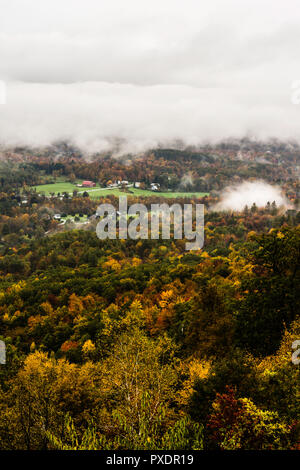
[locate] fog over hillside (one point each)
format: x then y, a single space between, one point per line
235 198
89 72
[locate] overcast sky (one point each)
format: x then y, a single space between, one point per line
148 72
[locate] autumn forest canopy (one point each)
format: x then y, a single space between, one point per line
140 344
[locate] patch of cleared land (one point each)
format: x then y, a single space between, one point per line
59 187
170 194
96 193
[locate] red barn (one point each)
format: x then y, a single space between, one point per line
88 184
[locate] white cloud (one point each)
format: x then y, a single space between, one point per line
248 193
92 114
146 71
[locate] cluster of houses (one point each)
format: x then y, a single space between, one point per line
119 184
126 184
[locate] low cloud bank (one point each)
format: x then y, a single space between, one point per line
95 115
248 193
129 76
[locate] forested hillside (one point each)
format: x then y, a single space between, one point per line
139 344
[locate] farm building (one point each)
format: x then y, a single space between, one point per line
88 184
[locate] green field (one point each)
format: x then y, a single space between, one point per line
62 187
96 193
169 194
59 187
